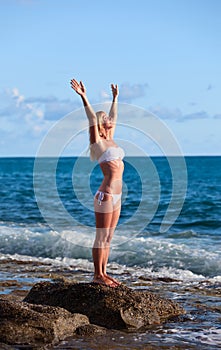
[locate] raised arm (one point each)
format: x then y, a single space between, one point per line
80 89
113 109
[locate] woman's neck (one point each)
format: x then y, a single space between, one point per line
105 136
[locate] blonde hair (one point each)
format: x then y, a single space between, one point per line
100 121
93 146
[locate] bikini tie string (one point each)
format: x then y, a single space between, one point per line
100 197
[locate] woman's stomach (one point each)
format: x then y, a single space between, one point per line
113 172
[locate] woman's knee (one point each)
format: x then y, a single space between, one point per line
110 234
102 237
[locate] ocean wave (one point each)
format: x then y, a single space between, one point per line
137 273
155 253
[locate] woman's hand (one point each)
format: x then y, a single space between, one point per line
115 91
79 88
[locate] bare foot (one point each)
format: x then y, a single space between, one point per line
112 279
105 281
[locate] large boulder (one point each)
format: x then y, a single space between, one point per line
113 308
25 323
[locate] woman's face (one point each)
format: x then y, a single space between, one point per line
107 121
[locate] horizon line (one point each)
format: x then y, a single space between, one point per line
133 156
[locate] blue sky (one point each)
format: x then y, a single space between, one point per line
164 54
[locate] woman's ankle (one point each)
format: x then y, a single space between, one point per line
98 275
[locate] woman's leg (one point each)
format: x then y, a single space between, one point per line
113 224
101 248
114 221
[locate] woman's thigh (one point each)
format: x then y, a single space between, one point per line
115 217
103 213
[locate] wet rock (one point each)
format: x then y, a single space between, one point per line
160 279
90 330
5 347
10 283
113 308
25 323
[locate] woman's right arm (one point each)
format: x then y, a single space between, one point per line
79 88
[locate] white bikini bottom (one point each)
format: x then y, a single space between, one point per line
115 197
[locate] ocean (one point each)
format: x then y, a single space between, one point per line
168 238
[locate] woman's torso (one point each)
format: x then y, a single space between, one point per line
109 156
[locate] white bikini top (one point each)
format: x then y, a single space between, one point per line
111 153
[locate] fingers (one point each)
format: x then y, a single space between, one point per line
114 87
115 91
74 83
82 85
76 86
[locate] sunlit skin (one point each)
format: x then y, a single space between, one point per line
106 214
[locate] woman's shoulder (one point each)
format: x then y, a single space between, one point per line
96 145
95 149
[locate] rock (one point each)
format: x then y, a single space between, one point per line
113 308
134 318
25 323
90 330
5 347
160 279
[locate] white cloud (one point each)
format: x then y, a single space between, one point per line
54 109
196 115
177 115
129 92
105 95
17 115
166 113
16 95
38 109
217 116
24 121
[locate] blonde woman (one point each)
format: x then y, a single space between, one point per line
107 201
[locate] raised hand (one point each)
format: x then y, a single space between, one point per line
79 88
115 91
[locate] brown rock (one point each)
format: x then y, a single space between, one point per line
115 308
5 347
24 323
89 330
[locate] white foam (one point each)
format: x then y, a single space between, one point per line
211 336
151 255
164 252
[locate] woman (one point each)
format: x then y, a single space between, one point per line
107 201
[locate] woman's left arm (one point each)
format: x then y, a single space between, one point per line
113 109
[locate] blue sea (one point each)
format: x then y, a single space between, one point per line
170 224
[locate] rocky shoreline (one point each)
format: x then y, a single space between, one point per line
52 312
198 328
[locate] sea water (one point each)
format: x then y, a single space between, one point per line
169 226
